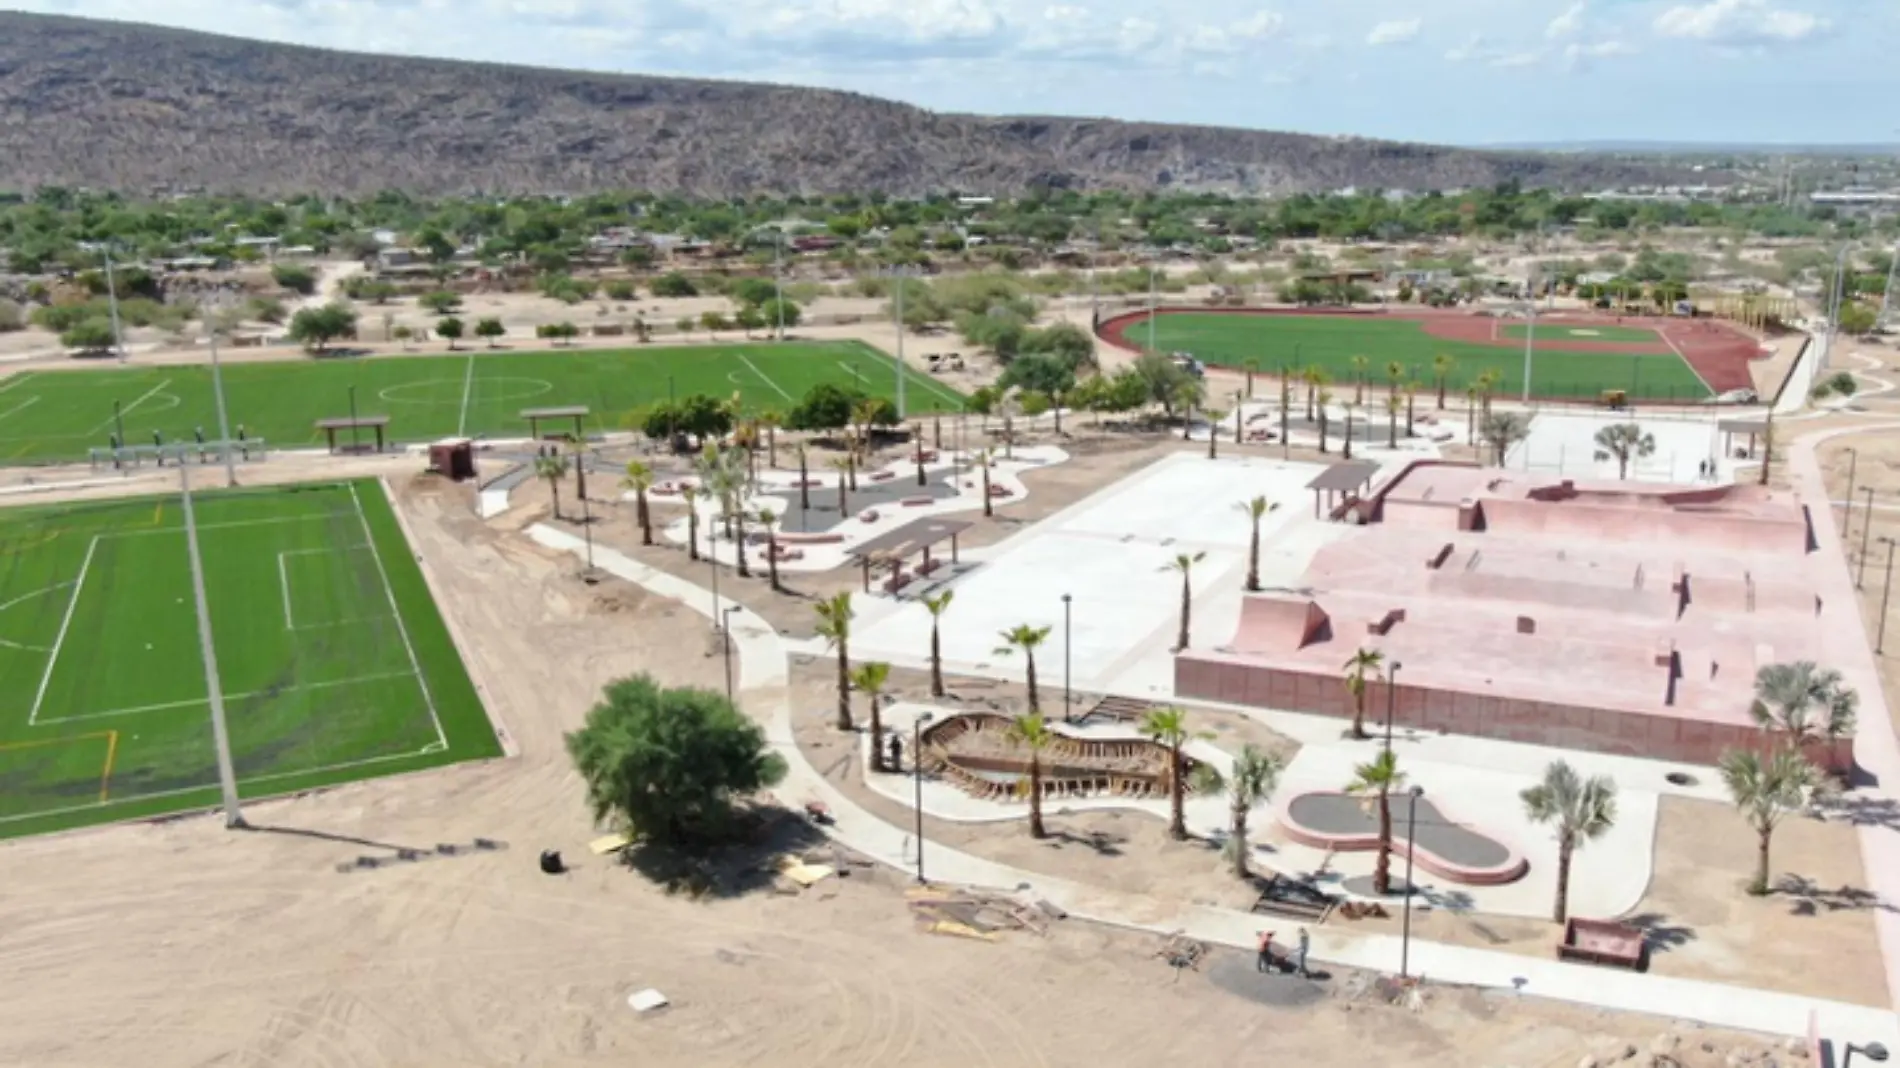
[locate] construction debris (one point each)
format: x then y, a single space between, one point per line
1358 910
970 914
1182 952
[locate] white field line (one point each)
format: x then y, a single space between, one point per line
402 627
14 381
26 648
767 379
23 598
283 582
914 376
227 526
143 397
167 705
468 390
22 406
52 659
1673 347
432 747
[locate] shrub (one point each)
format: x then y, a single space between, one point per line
295 278
674 284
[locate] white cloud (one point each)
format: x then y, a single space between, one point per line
1518 59
1739 22
1566 24
1221 40
1393 32
1475 48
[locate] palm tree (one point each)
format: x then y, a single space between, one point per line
1168 727
1184 563
1026 638
1501 430
936 605
640 479
1581 811
983 462
1471 415
834 626
1346 448
1255 510
553 467
1624 442
1767 447
1804 702
691 495
1360 365
1394 370
804 478
1255 774
1392 421
1033 734
1766 787
1214 416
1441 370
771 419
768 519
840 465
1379 777
1487 382
1325 398
723 474
1411 405
1314 378
871 678
1361 666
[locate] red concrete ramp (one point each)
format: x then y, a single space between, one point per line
1278 623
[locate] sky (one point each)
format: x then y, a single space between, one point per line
1468 72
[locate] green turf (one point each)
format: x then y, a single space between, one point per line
1273 342
1622 335
60 414
334 663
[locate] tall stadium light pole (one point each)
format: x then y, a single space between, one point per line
1835 299
897 307
1530 333
112 306
220 737
1153 305
1887 295
217 390
778 278
1886 591
1866 528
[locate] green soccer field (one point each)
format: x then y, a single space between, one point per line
60 414
1621 335
332 658
1273 342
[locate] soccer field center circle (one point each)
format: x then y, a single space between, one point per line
456 390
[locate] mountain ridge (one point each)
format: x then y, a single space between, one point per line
153 109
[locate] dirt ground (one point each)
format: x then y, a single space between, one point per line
252 948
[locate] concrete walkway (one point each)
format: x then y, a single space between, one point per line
763 677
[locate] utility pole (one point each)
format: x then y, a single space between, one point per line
1530 332
778 281
217 389
900 275
214 690
112 305
1153 305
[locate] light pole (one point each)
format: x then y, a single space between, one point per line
217 391
1067 604
1872 1051
1153 305
1391 695
214 689
1866 527
897 306
725 644
112 305
712 563
1847 516
1530 332
917 780
355 444
1886 591
1411 821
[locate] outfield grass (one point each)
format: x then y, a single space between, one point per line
1271 343
1622 335
333 660
60 414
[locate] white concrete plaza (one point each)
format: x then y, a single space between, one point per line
1110 553
1564 443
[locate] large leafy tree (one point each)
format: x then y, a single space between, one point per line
1766 787
1579 810
667 765
315 328
1378 778
1624 442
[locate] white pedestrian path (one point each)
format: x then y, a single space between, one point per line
763 676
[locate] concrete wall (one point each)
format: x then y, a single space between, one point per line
1213 677
1577 519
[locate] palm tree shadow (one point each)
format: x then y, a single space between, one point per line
1659 935
1101 843
326 836
1860 810
1811 899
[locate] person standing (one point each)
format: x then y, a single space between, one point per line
1305 943
1264 961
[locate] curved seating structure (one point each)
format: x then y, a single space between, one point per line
1330 819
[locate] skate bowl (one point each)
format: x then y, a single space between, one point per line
976 752
1331 820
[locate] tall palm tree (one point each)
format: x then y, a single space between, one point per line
1033 734
1214 416
1314 378
841 465
1768 438
1362 666
1168 727
936 605
1441 371
1580 810
983 461
1184 563
1394 370
1804 702
834 626
1325 398
723 472
1411 406
640 479
1360 365
1379 777
768 518
1255 774
1392 421
553 467
691 495
804 478
871 678
1624 442
1255 510
1766 787
1346 447
1026 638
1471 415
770 420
